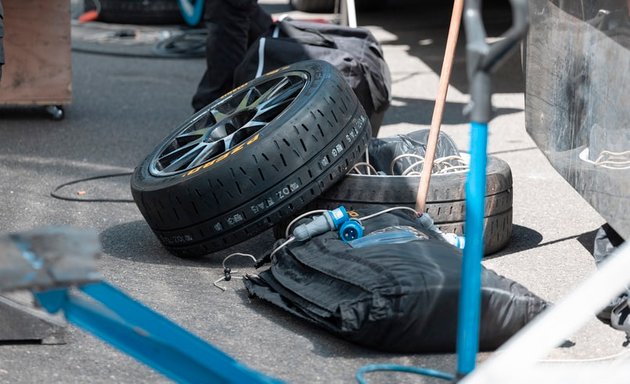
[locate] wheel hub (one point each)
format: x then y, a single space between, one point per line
223 125
229 125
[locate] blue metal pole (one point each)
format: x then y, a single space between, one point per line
482 59
470 290
148 336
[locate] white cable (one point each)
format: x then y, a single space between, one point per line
441 165
238 254
393 163
288 230
216 282
364 164
449 158
452 169
450 164
362 219
292 239
411 167
289 241
367 160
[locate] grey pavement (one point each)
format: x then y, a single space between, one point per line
124 106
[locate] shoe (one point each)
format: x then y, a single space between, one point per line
620 316
605 314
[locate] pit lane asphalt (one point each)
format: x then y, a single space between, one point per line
123 107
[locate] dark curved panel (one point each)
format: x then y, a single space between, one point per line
578 98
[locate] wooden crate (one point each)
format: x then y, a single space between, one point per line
37 68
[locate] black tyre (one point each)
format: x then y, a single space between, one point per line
445 202
150 12
251 158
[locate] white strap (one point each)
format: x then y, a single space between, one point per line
261 57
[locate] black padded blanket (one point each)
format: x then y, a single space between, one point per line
398 296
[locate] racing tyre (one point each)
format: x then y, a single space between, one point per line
251 158
445 201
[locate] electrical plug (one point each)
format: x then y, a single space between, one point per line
328 221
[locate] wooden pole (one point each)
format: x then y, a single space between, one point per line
440 101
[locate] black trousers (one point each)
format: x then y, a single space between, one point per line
233 25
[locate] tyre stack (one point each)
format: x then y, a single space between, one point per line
278 146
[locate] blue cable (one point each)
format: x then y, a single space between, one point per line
401 368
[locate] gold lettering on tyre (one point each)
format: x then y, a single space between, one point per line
223 156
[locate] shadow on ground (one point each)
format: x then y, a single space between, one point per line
422 26
134 241
419 111
524 238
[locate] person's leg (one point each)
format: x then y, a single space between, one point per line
606 241
260 23
232 26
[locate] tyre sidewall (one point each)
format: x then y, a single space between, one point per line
144 181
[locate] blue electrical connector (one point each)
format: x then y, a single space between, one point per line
350 230
337 219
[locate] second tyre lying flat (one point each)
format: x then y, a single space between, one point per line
445 201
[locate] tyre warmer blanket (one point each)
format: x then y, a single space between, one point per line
396 297
353 51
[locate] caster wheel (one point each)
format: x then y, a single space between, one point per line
56 112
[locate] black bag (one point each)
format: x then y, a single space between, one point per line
384 151
396 296
353 51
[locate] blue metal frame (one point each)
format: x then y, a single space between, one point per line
147 336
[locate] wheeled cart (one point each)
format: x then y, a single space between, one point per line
37 55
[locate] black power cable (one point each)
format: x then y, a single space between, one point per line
189 43
98 200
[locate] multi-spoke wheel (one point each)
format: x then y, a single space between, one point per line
222 127
251 158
